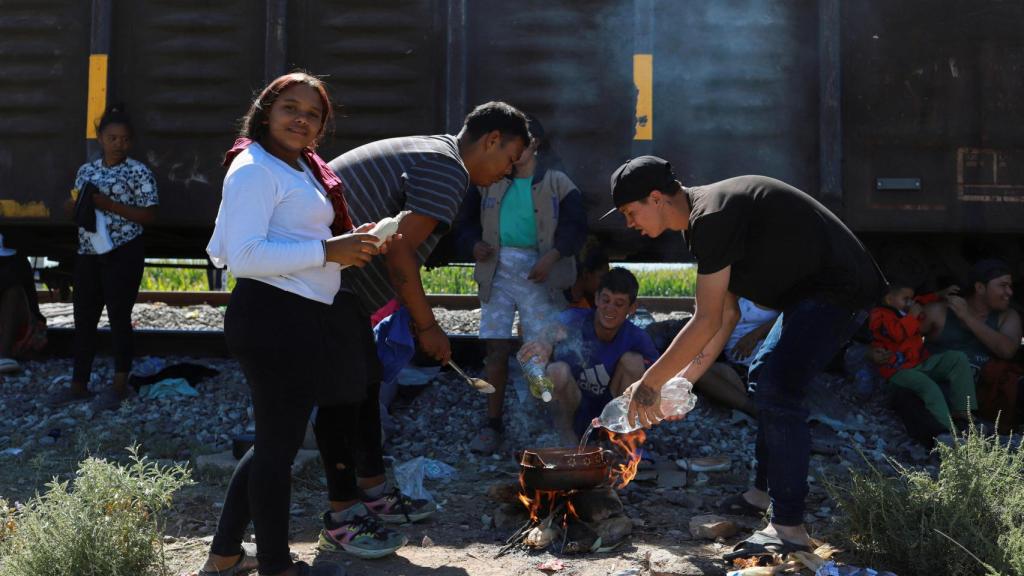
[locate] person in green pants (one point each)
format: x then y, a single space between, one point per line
896 327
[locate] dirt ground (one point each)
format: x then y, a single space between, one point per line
436 422
456 541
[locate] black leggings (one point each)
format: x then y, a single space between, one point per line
350 444
110 279
282 343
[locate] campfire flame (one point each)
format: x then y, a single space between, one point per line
537 501
630 444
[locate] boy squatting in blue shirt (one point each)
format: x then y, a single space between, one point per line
594 354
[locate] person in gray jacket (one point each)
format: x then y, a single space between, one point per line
525 232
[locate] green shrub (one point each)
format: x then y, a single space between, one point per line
905 522
449 280
6 523
459 280
161 279
109 524
669 283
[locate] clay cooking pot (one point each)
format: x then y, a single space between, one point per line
563 468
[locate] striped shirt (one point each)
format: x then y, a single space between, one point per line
423 174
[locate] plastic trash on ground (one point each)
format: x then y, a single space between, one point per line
410 475
169 388
148 366
830 568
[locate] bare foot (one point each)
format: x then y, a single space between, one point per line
757 498
795 534
215 563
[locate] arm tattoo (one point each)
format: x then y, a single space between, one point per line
699 359
645 396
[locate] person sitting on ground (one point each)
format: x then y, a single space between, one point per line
22 325
981 323
594 354
591 266
726 380
896 328
525 231
984 326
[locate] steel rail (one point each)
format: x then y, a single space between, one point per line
447 301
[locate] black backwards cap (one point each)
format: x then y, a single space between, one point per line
986 271
635 179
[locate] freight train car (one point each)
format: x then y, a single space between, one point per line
905 118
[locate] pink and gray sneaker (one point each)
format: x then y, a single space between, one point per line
397 508
362 535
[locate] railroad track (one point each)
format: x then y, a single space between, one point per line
466 348
210 343
449 301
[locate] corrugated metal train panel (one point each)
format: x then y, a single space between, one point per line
931 90
44 48
384 62
570 64
736 89
186 69
927 83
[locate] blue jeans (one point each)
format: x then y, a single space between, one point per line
801 342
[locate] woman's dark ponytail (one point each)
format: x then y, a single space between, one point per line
115 114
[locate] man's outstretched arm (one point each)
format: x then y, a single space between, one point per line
686 347
404 273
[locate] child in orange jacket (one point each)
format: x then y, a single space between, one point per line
896 327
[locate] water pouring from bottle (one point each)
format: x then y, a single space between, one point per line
677 399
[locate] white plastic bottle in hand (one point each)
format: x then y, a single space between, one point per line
677 399
385 228
540 385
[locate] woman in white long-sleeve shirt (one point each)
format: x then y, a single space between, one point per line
300 337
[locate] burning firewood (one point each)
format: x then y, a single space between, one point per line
576 489
542 535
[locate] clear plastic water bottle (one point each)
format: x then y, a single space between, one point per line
677 399
540 385
642 318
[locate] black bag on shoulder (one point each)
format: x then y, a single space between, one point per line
85 209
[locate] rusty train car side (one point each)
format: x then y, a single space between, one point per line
904 118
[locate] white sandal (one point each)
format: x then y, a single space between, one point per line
8 365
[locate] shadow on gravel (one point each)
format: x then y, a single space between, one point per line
391 566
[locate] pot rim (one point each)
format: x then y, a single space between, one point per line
564 459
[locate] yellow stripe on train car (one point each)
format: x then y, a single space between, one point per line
97 93
16 209
643 78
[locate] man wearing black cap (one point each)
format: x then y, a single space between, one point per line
762 239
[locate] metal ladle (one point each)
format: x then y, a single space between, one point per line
481 385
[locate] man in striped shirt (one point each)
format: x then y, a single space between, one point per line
428 176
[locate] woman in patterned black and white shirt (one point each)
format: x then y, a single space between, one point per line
128 199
